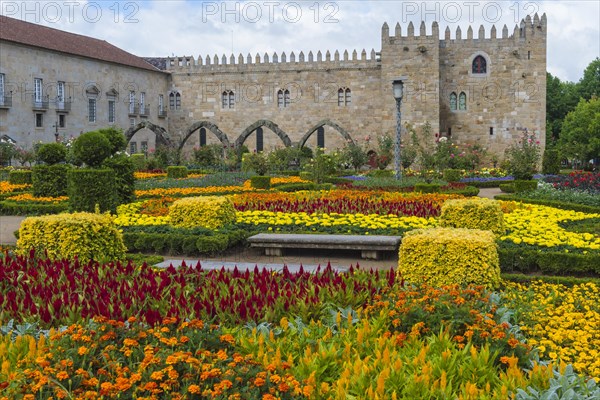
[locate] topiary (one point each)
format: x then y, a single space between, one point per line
51 153
92 148
123 167
115 137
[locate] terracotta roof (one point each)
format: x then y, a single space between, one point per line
26 33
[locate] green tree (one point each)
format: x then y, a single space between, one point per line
589 85
561 97
580 135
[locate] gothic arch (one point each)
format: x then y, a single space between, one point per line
208 125
162 137
269 124
324 122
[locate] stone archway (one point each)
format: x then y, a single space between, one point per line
325 122
162 137
266 123
208 125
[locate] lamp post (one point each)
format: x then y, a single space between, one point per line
55 126
398 86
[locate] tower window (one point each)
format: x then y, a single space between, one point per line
462 101
491 130
344 97
283 98
452 101
228 99
479 65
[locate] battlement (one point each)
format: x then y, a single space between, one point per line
528 28
275 62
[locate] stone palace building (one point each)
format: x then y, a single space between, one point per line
480 88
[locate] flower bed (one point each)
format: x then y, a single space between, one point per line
361 334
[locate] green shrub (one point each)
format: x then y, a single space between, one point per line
305 175
92 148
116 138
139 161
488 184
469 191
208 211
428 188
50 180
9 207
51 153
381 173
531 260
177 172
552 203
83 235
442 256
20 177
478 213
507 187
524 186
256 162
551 162
87 188
260 182
452 175
123 168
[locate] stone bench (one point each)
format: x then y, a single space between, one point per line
370 246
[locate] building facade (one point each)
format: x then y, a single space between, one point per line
484 90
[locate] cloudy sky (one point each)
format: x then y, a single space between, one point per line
192 28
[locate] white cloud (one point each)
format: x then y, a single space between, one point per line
167 27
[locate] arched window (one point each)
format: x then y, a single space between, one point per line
228 99
283 98
344 97
177 101
171 101
462 101
452 101
479 65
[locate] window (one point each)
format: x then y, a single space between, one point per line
1 88
449 132
142 102
202 136
321 137
491 130
132 147
259 139
62 123
91 110
132 122
479 65
462 101
132 102
529 55
144 147
171 101
283 98
37 87
452 101
60 92
177 101
344 97
111 111
228 99
161 104
39 120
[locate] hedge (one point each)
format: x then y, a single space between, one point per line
469 191
20 177
8 207
177 172
559 280
295 187
204 211
88 187
50 180
184 243
260 182
551 203
428 187
477 213
551 263
507 188
524 186
452 175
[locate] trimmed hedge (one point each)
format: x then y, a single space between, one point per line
442 256
478 213
187 244
8 207
260 182
50 180
381 173
52 153
123 168
552 203
507 188
88 187
452 175
524 186
551 263
20 177
428 187
206 211
296 187
469 191
487 184
83 235
177 172
559 280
